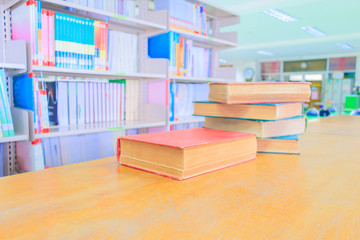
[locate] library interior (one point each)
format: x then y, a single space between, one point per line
179 119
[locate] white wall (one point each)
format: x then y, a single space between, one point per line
241 66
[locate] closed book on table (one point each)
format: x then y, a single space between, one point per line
262 92
262 129
265 111
186 153
284 145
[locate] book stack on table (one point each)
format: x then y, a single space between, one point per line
272 111
236 114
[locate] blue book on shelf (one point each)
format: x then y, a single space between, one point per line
24 93
160 46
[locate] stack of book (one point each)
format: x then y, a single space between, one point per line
272 111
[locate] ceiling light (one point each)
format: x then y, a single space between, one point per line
222 60
345 46
283 16
314 31
265 53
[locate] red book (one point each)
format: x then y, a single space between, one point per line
186 153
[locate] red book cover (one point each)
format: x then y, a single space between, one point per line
188 138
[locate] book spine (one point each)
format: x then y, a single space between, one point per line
97 45
33 29
6 102
67 55
39 34
57 39
45 37
4 124
43 111
106 47
84 63
92 47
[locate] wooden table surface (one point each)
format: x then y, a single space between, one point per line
314 196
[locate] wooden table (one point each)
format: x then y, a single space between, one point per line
273 197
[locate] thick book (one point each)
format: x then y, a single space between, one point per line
270 111
260 92
262 129
186 153
284 145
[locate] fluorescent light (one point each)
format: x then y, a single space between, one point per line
222 60
345 46
313 77
283 16
297 77
265 53
314 31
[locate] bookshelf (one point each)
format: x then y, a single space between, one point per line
216 40
55 71
15 58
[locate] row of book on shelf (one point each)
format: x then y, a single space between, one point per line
68 41
182 96
72 102
120 7
185 59
185 15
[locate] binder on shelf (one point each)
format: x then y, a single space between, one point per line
27 95
62 106
52 103
80 103
72 103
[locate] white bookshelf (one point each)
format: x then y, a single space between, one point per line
21 126
206 41
154 116
60 131
12 66
55 71
149 22
15 58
